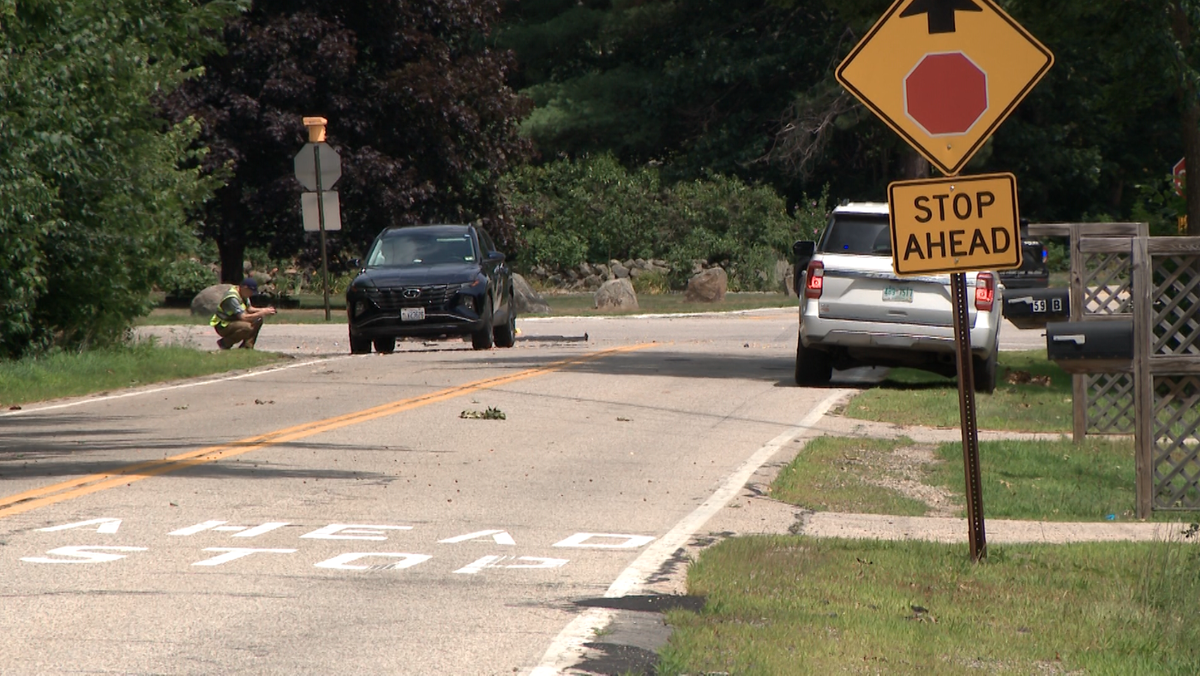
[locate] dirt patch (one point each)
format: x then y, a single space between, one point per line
904 471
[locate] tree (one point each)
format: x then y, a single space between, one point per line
698 85
95 202
417 106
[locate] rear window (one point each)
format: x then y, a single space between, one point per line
864 234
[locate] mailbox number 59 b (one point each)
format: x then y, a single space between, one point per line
1039 305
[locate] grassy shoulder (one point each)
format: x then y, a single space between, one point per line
60 374
801 605
798 605
1032 395
1028 480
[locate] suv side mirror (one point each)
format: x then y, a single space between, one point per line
803 250
495 256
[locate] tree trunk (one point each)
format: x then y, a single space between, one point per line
233 253
231 237
915 166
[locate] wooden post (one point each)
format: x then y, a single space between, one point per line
1143 377
1079 389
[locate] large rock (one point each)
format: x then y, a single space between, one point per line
528 301
708 286
205 303
616 294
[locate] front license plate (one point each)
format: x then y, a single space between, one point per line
896 294
412 314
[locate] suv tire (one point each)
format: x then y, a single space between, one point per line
505 335
812 366
385 345
359 345
985 372
482 339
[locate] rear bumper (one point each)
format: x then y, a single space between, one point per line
882 339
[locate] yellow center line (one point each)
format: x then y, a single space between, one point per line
67 490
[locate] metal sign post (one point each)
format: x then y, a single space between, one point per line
966 410
321 225
317 170
944 74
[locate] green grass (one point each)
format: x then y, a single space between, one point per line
797 605
1028 480
1052 480
835 474
61 374
912 397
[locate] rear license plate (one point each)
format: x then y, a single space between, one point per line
894 294
412 314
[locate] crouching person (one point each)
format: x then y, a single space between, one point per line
236 320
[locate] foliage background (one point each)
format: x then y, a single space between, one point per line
95 200
595 210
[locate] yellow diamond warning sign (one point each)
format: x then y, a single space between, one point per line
955 224
944 74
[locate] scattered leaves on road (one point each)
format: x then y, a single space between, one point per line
490 414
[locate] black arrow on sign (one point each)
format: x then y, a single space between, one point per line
940 12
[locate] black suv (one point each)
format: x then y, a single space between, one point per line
434 281
1033 273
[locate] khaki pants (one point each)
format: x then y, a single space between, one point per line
239 332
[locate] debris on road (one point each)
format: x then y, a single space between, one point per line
490 414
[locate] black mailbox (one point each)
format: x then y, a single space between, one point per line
1091 347
1033 308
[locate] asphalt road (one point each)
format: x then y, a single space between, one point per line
340 515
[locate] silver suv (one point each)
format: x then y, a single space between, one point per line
855 311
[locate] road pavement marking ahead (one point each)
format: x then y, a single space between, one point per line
85 485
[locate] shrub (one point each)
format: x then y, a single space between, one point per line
186 278
594 210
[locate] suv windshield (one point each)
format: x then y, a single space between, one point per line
866 234
410 249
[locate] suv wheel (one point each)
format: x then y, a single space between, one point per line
482 339
506 333
812 366
359 345
385 345
985 372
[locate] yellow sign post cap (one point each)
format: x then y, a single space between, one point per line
316 129
955 224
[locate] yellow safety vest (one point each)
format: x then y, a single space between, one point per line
221 319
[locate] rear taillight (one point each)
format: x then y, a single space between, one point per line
985 291
814 278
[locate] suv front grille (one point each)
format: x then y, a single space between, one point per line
435 297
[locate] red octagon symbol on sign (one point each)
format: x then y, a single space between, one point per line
946 93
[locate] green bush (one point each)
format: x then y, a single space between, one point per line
650 283
186 278
594 210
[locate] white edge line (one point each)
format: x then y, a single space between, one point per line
567 649
168 388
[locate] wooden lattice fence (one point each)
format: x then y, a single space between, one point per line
1119 273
